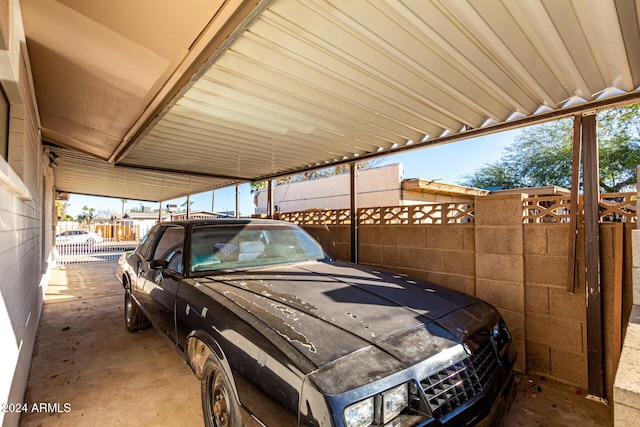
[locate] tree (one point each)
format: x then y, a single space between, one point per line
61 209
619 137
541 155
87 215
187 201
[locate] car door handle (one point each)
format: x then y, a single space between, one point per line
158 277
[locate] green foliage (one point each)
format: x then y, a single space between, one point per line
87 215
619 137
541 155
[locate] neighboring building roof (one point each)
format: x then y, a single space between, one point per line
550 190
144 215
438 187
197 215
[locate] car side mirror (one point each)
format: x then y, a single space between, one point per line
158 264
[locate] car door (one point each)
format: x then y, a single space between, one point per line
141 259
158 286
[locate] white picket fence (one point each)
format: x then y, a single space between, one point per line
111 240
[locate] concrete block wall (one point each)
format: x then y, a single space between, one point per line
335 239
555 318
556 323
26 217
626 392
519 268
441 254
499 261
437 253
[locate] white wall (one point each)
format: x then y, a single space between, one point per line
26 216
375 187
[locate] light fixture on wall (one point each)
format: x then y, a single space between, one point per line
53 159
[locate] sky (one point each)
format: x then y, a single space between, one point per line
446 163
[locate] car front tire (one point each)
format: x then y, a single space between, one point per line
219 405
134 318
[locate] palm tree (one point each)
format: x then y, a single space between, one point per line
87 215
187 202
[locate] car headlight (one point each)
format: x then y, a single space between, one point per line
380 408
359 414
500 334
393 402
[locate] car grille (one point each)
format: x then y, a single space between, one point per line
452 387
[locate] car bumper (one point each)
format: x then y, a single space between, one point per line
501 406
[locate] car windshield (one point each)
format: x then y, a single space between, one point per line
231 247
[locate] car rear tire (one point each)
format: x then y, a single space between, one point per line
219 405
133 316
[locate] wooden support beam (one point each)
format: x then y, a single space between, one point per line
591 174
618 256
573 209
354 213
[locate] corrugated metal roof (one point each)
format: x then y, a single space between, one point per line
311 83
317 82
80 173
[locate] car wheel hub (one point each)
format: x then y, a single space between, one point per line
220 413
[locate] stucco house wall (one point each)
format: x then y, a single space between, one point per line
375 187
381 186
26 215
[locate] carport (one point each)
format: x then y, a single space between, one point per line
155 101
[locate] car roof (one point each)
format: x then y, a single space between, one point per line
224 221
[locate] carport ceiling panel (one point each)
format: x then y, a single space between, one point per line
82 174
98 64
316 82
188 145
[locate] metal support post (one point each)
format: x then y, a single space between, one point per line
237 215
354 214
270 206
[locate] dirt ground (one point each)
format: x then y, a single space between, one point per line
87 370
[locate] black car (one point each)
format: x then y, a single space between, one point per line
281 335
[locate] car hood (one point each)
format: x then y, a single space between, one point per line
329 310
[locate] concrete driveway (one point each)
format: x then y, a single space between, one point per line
84 357
87 370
